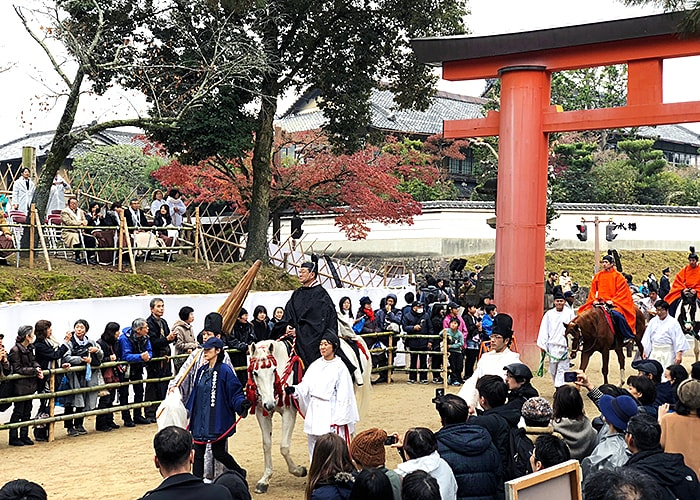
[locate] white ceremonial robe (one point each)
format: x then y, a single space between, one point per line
663 339
327 399
57 195
552 339
491 363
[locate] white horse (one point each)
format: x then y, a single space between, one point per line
269 371
688 315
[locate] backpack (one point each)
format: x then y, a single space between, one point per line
520 448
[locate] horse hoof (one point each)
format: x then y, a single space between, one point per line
300 471
261 487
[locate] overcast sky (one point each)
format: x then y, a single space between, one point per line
25 86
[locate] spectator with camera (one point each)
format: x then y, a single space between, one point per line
83 352
468 450
135 347
419 450
368 451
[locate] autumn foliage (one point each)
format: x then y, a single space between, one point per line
367 186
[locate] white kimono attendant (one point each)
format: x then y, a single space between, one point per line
491 363
57 196
326 396
552 340
663 339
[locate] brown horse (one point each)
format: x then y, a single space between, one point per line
591 332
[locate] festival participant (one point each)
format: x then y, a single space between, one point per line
83 352
643 438
665 283
493 361
680 430
161 337
368 451
186 376
173 459
185 342
687 281
647 305
216 397
310 313
134 347
468 450
610 287
326 394
22 361
331 470
663 338
419 449
552 338
23 192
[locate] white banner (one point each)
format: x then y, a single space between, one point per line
98 312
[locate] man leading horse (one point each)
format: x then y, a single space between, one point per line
610 287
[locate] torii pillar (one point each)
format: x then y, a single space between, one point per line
524 62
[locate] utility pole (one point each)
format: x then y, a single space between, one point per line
596 252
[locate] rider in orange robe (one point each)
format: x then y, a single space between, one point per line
687 278
609 285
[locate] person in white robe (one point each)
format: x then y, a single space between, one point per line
552 338
177 207
663 338
57 195
494 361
326 396
23 192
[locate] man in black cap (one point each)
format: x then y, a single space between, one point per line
569 298
518 377
493 361
551 338
310 313
665 283
653 370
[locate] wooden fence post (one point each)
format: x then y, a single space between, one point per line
390 358
197 222
32 228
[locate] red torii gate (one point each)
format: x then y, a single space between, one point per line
524 62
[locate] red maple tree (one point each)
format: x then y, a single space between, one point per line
358 188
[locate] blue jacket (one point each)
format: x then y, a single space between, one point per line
130 347
473 458
228 399
335 490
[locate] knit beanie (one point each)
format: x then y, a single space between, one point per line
689 393
537 412
368 448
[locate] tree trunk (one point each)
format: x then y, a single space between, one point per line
61 146
256 246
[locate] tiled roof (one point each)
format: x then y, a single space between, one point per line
670 133
386 115
566 207
42 142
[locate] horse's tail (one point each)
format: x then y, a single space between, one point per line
364 391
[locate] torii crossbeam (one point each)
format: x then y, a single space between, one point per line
524 62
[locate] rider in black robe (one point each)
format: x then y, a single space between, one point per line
311 311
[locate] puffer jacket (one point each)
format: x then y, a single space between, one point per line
473 458
22 362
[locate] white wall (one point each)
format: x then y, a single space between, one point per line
454 232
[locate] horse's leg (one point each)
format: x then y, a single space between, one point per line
265 424
289 418
621 360
585 358
605 353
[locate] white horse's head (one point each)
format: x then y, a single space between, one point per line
263 369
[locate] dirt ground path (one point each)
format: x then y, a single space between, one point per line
119 464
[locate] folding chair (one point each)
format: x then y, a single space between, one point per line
17 217
52 233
